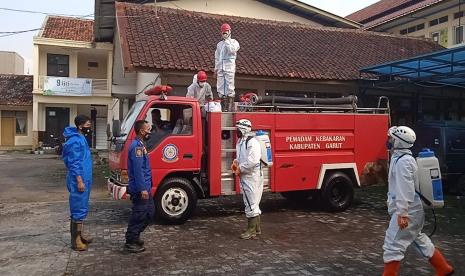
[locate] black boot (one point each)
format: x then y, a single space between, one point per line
134 247
139 242
231 104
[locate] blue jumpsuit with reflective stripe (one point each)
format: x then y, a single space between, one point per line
78 160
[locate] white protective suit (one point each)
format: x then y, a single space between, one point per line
251 178
200 93
225 67
403 200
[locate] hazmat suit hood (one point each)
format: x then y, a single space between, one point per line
70 131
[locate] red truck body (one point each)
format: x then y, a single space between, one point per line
309 150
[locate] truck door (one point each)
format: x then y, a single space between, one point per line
174 143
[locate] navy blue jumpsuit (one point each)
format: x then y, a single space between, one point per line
140 179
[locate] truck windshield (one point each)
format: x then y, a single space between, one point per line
130 118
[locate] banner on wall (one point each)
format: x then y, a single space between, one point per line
61 86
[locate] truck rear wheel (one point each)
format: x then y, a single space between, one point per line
175 200
338 191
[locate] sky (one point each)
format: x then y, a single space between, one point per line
11 21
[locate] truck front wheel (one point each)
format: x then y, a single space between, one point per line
338 191
175 200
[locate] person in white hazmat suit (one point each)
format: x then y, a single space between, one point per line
200 88
247 166
225 67
405 208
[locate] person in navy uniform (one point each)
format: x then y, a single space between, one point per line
139 187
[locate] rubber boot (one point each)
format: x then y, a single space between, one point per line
225 104
231 104
76 242
85 238
391 268
258 227
440 264
250 232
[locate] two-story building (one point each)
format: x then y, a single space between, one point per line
442 21
72 75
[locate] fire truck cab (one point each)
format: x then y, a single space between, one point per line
318 152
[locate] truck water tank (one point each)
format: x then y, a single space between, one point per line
429 178
265 145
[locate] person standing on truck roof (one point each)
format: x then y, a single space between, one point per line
405 208
225 67
78 160
247 166
140 188
200 88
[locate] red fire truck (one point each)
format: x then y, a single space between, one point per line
318 150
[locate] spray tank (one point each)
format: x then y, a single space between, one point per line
429 184
265 146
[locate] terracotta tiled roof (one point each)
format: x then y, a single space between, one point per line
68 28
385 10
15 90
182 40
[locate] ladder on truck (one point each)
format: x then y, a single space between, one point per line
228 152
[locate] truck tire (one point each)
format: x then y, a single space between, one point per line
175 200
298 196
338 192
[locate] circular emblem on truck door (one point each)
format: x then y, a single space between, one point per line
170 153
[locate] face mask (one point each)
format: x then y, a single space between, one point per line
146 136
389 145
226 35
201 84
239 134
86 131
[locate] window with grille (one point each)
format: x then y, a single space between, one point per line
57 65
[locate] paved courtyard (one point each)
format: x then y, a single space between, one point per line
296 240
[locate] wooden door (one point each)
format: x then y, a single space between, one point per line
8 131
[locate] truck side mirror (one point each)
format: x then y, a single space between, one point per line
116 129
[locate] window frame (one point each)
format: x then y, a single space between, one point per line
16 123
56 66
455 34
443 19
439 36
171 114
434 22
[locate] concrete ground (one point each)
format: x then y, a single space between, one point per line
296 240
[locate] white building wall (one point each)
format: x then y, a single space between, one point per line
243 8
